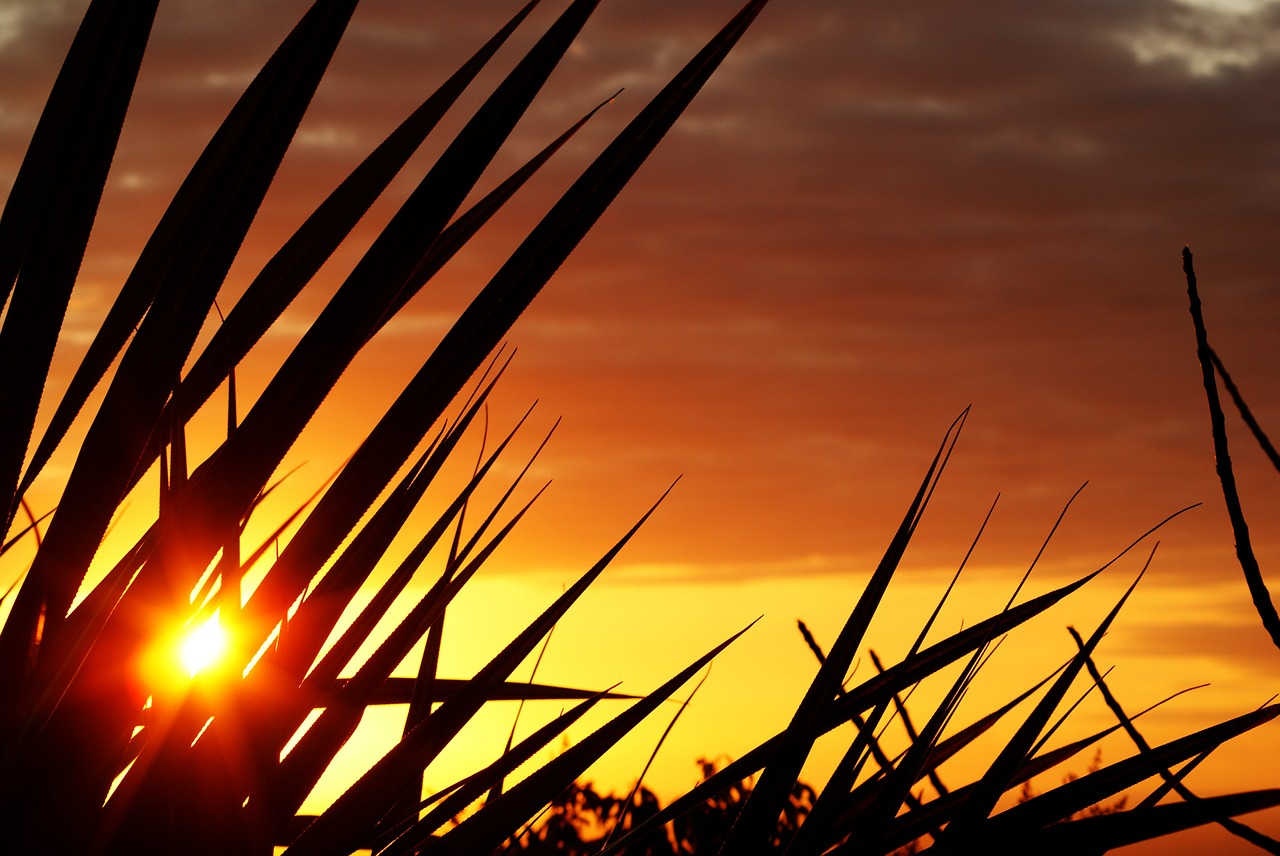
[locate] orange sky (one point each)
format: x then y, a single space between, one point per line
870 219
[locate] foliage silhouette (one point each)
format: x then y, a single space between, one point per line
96 756
99 757
577 820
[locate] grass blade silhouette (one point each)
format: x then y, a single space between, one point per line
51 209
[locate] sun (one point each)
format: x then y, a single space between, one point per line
202 646
181 657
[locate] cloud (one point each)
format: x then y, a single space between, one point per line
1208 39
868 221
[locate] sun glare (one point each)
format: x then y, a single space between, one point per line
202 646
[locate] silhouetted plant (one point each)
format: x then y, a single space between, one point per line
869 806
96 756
580 819
1212 369
1029 792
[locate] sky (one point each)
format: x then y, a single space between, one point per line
873 217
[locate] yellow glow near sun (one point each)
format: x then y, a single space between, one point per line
202 646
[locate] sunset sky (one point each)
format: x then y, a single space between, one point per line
874 216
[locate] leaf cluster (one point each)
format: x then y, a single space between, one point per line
97 754
875 801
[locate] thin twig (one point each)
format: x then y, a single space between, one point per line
1245 413
1244 547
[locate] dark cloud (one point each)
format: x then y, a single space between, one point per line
872 218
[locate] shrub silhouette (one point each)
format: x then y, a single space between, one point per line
579 819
